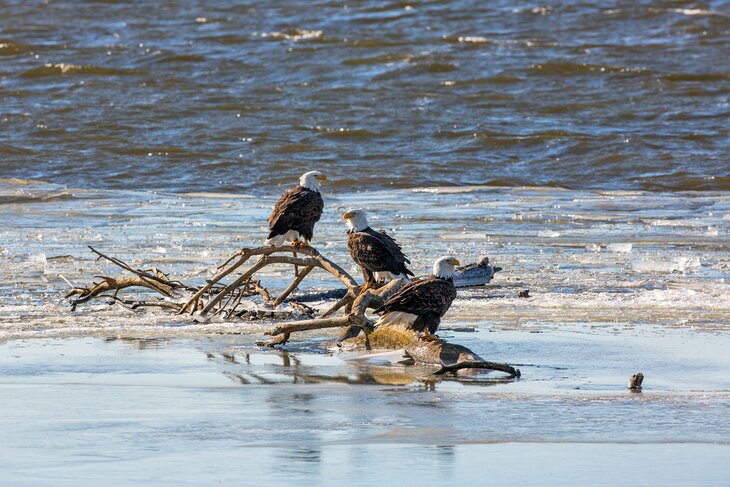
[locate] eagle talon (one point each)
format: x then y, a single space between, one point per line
298 244
429 337
365 287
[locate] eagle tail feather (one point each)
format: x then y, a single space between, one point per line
397 318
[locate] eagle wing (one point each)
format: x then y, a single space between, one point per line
430 296
297 209
392 245
370 252
397 252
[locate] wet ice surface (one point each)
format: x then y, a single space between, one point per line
619 282
613 260
192 412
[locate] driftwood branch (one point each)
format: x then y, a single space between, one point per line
243 257
297 280
355 321
217 297
109 284
343 301
307 325
154 275
479 365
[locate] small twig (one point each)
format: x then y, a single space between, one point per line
131 304
347 298
297 280
303 308
67 281
237 254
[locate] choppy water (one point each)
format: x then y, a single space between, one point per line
231 96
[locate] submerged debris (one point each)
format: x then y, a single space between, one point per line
635 382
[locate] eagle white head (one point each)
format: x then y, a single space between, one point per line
445 267
311 180
356 220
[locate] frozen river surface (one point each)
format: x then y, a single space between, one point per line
620 282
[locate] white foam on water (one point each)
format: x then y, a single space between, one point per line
619 247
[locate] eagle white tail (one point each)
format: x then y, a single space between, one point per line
278 240
397 318
389 276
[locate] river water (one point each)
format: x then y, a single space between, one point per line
582 147
234 96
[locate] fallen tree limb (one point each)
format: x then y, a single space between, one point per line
300 277
215 297
109 284
479 365
153 274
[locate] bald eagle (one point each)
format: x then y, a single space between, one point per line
377 253
421 304
296 212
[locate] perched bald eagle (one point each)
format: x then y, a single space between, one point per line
421 304
296 212
377 253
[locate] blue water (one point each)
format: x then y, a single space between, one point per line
243 97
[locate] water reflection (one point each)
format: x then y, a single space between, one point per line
140 343
282 367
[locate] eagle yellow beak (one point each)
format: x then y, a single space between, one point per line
346 216
322 177
455 262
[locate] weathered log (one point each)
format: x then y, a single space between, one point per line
448 356
479 365
307 325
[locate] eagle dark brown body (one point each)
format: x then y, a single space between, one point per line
427 299
377 252
297 210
